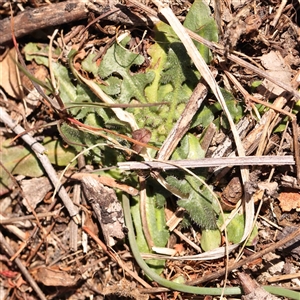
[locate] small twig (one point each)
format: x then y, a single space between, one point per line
73 225
39 151
35 250
278 109
275 107
106 180
4 220
53 81
6 247
283 277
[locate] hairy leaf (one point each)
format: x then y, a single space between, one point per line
199 204
174 82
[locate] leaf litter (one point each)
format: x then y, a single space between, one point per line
141 69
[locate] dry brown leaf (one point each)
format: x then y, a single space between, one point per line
55 277
277 67
35 190
9 79
289 200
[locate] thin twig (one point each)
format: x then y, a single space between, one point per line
279 12
209 162
4 220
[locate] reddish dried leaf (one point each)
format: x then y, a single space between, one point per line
289 200
8 273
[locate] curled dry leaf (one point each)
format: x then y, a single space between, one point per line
142 135
232 193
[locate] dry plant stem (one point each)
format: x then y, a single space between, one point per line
279 12
22 246
269 126
72 224
263 74
39 150
35 250
6 247
76 200
209 162
247 260
283 277
53 81
294 128
108 181
278 103
296 147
